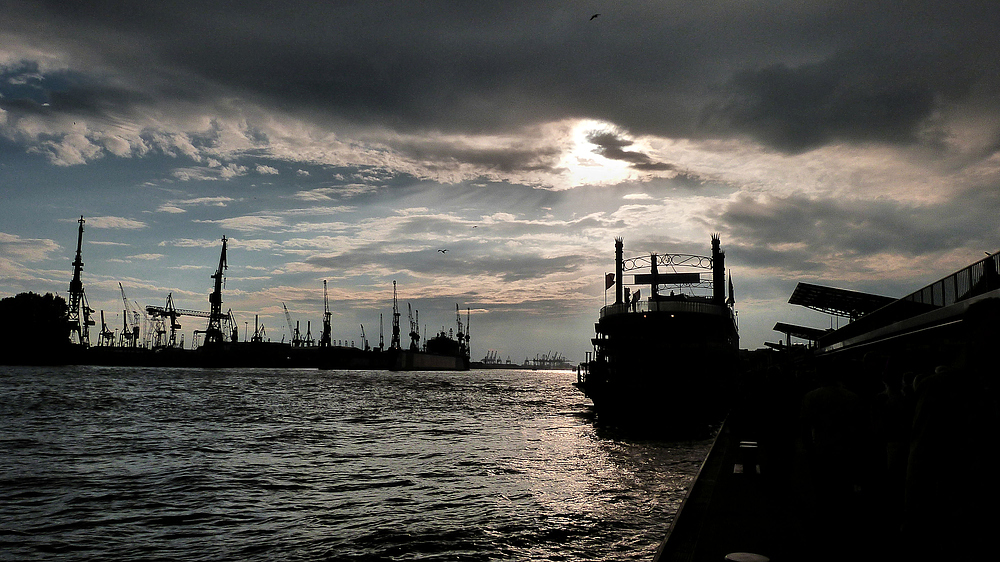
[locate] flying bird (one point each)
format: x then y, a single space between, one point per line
594 16
443 251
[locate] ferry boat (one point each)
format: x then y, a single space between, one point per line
664 360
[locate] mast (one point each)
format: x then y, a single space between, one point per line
619 244
718 272
654 276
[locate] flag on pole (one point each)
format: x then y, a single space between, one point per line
609 280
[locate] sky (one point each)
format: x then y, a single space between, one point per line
851 144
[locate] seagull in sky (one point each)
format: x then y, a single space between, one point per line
594 16
443 251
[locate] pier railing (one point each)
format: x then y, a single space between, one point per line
966 283
974 280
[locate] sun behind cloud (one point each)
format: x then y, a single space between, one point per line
583 165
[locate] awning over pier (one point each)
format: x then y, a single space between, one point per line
877 319
839 302
803 332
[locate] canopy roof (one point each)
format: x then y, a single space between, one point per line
804 332
840 302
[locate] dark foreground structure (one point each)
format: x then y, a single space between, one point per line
876 442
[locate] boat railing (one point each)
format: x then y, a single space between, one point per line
685 306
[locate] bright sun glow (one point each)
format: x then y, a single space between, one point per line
583 165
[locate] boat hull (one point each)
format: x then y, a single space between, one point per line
406 360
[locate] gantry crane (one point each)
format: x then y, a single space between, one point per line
324 339
258 331
463 337
130 329
107 336
169 313
213 333
414 329
166 313
296 336
79 330
394 342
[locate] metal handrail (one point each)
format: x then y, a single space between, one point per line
965 283
968 282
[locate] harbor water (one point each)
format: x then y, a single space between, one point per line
100 463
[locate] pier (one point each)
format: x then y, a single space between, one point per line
874 441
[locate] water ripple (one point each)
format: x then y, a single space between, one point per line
190 464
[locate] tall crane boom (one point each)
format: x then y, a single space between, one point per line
213 333
324 339
79 330
288 320
394 342
414 329
463 337
130 331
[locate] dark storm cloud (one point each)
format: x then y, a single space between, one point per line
610 145
799 233
792 74
796 109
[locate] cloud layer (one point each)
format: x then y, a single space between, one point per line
854 143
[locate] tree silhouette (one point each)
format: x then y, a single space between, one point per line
33 329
